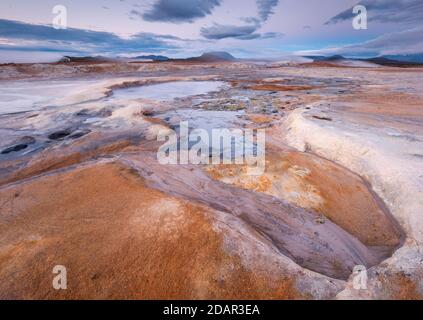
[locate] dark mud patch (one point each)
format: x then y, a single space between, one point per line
323 118
68 133
148 113
59 135
19 145
15 148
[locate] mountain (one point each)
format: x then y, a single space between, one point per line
152 57
325 58
390 61
336 57
384 61
215 56
90 59
416 58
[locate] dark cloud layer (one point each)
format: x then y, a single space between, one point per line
218 31
246 32
180 11
265 8
402 42
41 36
243 32
401 11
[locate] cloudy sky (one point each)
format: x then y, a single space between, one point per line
181 28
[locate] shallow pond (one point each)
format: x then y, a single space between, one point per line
169 90
210 122
21 96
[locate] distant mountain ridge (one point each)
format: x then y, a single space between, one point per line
393 60
223 56
152 57
214 56
417 57
86 59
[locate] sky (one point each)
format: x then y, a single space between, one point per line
183 28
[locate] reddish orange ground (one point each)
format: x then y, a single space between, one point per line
118 239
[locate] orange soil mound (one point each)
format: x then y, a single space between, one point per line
49 160
260 118
401 287
118 239
322 186
381 102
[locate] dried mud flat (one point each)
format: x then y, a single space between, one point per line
80 184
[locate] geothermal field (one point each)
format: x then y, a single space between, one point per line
81 184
